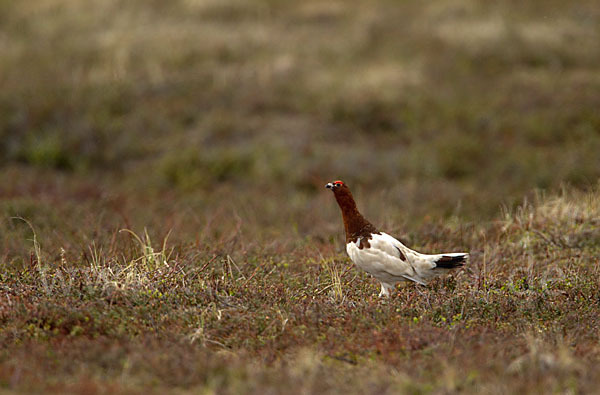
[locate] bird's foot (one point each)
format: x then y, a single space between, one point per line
385 291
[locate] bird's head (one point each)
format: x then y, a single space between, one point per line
344 198
337 187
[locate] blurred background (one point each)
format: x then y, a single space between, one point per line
212 117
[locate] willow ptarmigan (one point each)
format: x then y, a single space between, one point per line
381 255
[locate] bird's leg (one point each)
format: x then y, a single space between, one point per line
385 291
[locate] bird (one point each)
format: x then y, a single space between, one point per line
381 255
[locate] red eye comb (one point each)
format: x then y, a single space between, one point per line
338 182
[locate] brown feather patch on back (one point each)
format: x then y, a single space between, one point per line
364 242
402 256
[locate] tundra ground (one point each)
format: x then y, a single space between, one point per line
163 221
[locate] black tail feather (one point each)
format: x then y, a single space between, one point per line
450 262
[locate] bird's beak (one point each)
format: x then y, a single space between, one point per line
329 185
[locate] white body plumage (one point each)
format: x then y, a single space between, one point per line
390 261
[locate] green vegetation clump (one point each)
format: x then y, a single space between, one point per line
190 169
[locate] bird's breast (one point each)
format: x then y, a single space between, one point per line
366 257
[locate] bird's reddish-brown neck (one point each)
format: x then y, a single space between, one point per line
354 223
